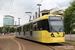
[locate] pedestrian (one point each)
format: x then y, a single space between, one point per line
68 32
0 34
3 34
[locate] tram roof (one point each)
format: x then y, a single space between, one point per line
41 18
23 24
45 17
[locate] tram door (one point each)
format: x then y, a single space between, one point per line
31 29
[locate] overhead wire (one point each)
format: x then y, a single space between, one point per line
24 15
41 1
33 8
11 6
36 5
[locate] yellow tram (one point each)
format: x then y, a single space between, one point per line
46 29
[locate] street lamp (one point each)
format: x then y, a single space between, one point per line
39 8
29 15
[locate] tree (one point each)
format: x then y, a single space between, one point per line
7 29
69 17
0 30
12 29
4 29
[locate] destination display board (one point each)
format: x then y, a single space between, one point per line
55 18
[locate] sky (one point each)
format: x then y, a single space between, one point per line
17 8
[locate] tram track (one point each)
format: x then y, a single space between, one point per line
67 46
50 47
61 46
69 43
21 46
7 45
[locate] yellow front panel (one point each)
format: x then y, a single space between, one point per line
58 39
45 37
58 35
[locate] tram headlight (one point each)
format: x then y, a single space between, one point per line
63 34
52 34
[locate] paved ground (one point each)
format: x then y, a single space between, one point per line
12 43
3 44
70 36
7 42
30 45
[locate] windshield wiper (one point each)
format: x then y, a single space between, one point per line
60 28
54 30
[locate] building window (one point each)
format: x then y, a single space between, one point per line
44 14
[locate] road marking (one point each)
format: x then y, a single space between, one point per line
18 44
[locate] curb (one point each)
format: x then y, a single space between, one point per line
70 43
70 40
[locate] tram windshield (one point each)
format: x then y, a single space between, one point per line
56 23
56 26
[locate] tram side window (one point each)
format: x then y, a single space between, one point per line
34 26
24 29
19 30
38 26
27 27
31 26
47 25
41 25
44 25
